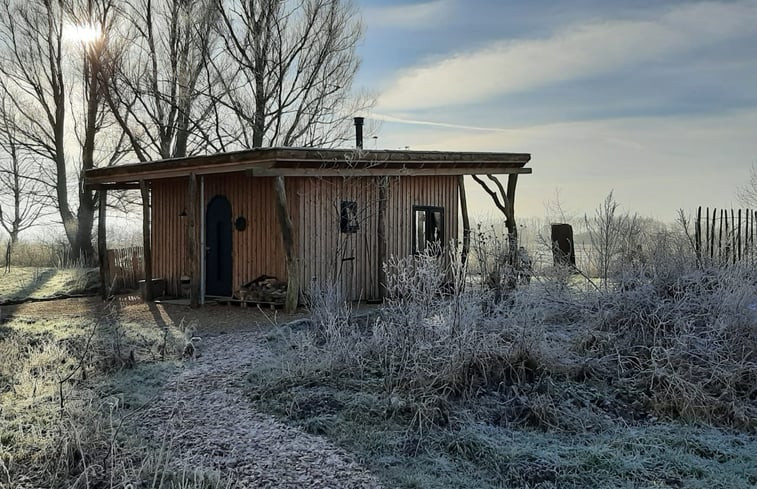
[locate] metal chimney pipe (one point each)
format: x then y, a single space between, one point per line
359 132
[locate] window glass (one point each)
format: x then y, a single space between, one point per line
428 227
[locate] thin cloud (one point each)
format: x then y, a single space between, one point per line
411 16
416 122
573 53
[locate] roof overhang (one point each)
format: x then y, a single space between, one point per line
314 162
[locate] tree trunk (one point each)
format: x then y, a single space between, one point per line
82 247
287 237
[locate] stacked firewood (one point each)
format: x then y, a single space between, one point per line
265 288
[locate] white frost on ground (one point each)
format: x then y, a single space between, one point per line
217 428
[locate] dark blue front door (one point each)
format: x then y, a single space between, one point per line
218 247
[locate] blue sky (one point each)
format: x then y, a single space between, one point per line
654 100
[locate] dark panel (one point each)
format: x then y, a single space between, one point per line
218 247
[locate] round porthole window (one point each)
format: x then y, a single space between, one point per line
240 224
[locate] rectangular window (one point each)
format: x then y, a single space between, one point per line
428 227
348 217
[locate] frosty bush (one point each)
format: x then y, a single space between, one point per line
669 337
685 342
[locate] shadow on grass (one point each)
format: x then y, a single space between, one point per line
33 286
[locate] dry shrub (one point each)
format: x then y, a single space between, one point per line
685 340
662 337
436 340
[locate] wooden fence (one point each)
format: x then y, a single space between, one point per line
126 267
725 236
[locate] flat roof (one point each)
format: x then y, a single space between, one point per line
316 162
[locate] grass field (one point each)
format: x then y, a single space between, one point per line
650 382
71 373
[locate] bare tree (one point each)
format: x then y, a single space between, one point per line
20 191
505 202
748 192
613 237
296 62
40 79
294 67
160 89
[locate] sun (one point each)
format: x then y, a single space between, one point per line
83 33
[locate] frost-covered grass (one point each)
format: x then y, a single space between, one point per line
66 386
46 282
647 379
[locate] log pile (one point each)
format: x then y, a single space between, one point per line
264 289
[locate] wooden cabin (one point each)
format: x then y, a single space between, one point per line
219 221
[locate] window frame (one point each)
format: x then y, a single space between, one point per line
427 209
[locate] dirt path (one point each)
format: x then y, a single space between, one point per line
217 428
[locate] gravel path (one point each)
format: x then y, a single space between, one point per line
218 429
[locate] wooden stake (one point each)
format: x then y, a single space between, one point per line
738 237
733 236
698 235
712 234
720 238
707 232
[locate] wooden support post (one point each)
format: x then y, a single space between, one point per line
512 182
512 227
287 237
191 240
383 194
102 246
466 219
146 239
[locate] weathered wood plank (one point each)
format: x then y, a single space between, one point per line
347 162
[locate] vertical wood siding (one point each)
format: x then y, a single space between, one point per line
406 192
327 256
349 261
168 199
257 250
